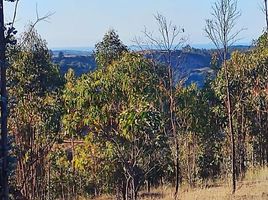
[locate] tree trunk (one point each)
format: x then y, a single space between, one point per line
230 123
148 185
73 170
4 146
127 188
177 171
133 189
49 176
266 14
173 125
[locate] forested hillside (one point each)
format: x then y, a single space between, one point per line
123 124
195 64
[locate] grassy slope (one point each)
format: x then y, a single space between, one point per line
253 187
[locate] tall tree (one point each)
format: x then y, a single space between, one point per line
4 147
119 106
266 14
109 49
6 37
248 83
168 42
220 30
33 85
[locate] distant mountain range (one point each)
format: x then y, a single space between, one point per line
134 47
189 62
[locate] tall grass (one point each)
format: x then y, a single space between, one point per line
254 186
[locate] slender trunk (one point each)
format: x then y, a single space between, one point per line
4 146
229 110
127 188
148 186
173 124
177 169
49 171
230 124
252 153
266 140
73 170
261 153
231 131
133 188
266 14
243 148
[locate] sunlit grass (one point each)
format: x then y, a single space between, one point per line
253 187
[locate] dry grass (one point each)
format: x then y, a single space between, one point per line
253 187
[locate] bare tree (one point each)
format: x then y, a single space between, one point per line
221 31
265 10
168 40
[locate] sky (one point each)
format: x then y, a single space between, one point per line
82 23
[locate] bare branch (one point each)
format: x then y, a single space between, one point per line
15 13
43 18
33 25
221 30
266 14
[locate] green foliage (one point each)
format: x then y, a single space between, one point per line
119 107
198 133
109 131
35 110
109 49
248 85
123 109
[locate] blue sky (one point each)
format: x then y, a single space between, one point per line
79 23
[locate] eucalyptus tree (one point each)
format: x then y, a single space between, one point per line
248 85
4 151
187 104
33 84
109 49
6 37
221 31
167 43
118 106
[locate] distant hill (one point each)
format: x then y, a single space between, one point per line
79 63
71 53
190 63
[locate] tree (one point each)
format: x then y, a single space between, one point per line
168 42
4 151
109 49
6 38
265 9
248 83
119 106
33 84
221 32
60 55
